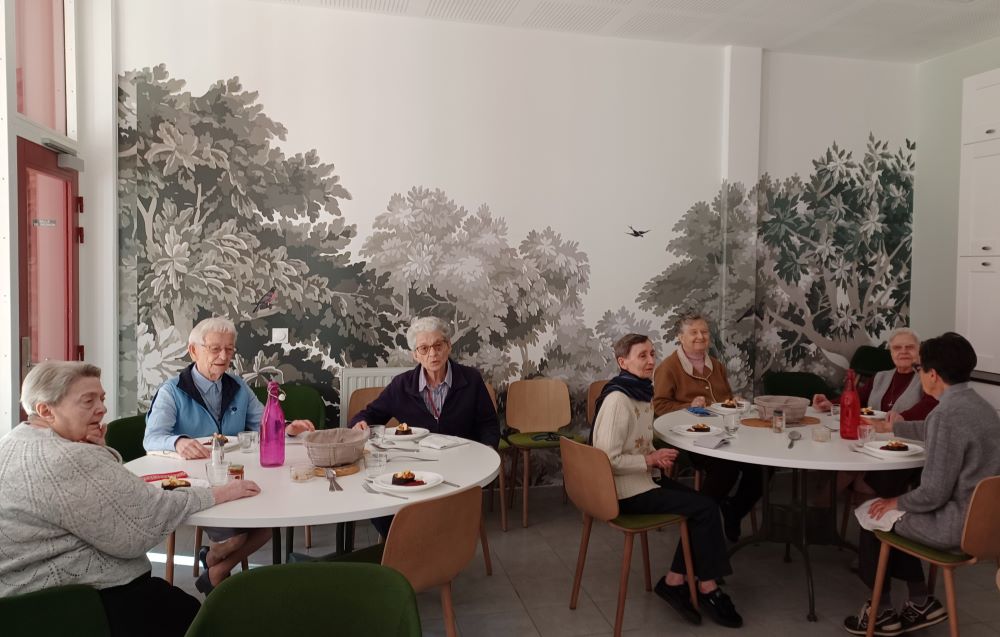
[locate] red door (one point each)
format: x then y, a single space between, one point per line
47 256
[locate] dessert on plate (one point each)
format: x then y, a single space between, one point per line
404 430
172 483
406 479
699 428
895 445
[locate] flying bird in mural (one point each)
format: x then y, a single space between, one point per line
636 233
265 301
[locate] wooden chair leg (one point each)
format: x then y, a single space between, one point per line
623 583
196 568
588 522
845 517
697 480
932 578
645 561
512 482
486 547
309 537
951 602
503 495
883 563
449 610
169 567
525 481
688 564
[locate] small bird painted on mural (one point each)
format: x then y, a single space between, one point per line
265 301
636 233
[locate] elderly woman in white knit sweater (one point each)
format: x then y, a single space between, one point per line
623 429
72 514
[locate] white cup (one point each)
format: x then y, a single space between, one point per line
217 473
248 440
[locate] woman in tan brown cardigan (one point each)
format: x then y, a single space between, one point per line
690 377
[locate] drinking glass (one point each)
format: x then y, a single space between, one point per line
377 434
865 433
820 434
375 463
217 473
835 411
248 440
300 472
731 422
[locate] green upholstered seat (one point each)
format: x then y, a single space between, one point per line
541 440
302 402
922 550
63 610
125 436
644 520
346 599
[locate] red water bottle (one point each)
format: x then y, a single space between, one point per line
272 430
850 409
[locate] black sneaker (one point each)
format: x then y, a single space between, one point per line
679 597
916 617
887 624
719 607
731 523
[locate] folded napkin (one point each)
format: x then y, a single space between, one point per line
712 442
439 441
869 523
156 477
165 454
700 411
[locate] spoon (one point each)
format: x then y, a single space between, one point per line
792 437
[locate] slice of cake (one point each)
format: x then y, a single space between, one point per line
406 479
699 428
895 445
404 430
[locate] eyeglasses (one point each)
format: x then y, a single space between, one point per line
438 347
215 350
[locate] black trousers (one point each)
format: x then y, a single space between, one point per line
720 477
148 606
708 547
887 484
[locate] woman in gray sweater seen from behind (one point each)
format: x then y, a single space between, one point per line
962 440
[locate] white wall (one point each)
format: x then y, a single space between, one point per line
811 101
939 131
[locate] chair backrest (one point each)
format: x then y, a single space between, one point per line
431 541
593 392
981 535
492 392
62 610
360 399
802 384
124 435
335 598
539 404
868 360
302 402
589 481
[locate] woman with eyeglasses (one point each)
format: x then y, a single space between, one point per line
205 399
438 394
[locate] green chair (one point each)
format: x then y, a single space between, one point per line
591 486
802 384
342 599
125 436
302 402
63 610
980 541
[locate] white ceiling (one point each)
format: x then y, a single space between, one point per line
891 30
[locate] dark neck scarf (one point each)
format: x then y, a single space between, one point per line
636 388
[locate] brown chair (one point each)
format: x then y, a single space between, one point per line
591 487
429 542
503 491
593 392
537 409
980 540
360 398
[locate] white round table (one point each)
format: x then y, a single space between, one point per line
794 524
284 503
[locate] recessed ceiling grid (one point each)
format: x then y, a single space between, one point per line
578 18
481 11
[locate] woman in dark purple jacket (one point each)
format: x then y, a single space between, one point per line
438 394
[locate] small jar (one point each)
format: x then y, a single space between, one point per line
778 421
236 471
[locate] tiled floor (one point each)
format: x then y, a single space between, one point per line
528 593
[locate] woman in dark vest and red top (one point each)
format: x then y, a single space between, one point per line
438 394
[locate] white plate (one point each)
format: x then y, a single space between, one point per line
875 415
683 431
418 433
384 482
875 446
719 409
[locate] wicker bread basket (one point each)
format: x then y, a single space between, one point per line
795 407
333 447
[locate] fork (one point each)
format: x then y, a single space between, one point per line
864 451
370 489
393 459
394 448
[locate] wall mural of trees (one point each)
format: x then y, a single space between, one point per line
213 214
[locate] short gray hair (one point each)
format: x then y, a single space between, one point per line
688 318
426 324
902 331
48 382
216 324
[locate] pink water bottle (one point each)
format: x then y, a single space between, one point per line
272 430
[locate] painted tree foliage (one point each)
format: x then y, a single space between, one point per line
833 258
218 214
